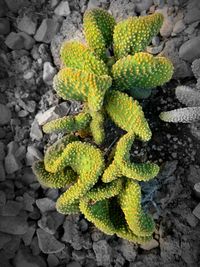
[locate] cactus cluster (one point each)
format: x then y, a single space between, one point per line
103 74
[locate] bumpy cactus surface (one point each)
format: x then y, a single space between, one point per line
107 193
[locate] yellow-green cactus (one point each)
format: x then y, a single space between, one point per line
78 56
53 180
130 201
122 166
80 85
141 71
99 207
134 34
97 126
108 197
98 29
127 114
68 123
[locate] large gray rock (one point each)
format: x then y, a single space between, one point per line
48 243
47 30
14 6
4 26
24 258
27 25
14 41
189 51
15 225
45 204
192 13
103 253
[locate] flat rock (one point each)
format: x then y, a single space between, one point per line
150 245
103 253
179 26
27 24
189 50
48 73
47 30
28 202
45 204
14 6
4 238
50 221
14 41
192 13
28 40
48 243
196 211
12 164
4 26
62 9
128 250
24 258
52 260
11 208
28 236
36 132
13 225
5 114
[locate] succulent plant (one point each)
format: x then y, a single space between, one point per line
103 74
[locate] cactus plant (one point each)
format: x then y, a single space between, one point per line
108 194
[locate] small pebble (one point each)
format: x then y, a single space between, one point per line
45 204
46 31
62 9
14 41
48 73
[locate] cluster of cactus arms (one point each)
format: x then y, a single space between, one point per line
190 97
107 74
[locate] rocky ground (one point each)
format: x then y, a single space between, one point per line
32 233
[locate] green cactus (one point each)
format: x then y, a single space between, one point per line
134 34
78 56
141 71
110 197
122 166
98 29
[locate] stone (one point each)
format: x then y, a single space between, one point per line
48 73
12 164
53 113
12 246
5 114
45 204
28 177
28 236
48 243
50 222
143 5
103 253
62 9
121 9
11 208
192 13
2 198
72 234
189 50
128 250
179 26
154 50
4 238
47 30
32 155
28 202
193 176
28 40
15 225
4 26
196 211
191 220
3 9
181 68
17 4
35 246
14 41
150 245
2 172
36 132
23 258
52 260
196 68
73 264
27 24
